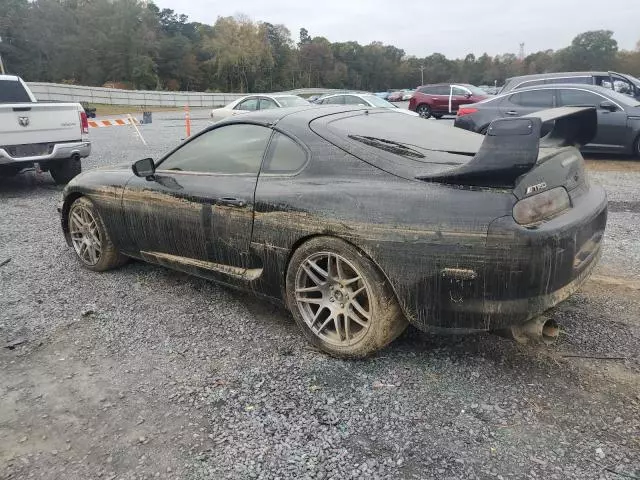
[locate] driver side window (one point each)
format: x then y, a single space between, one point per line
231 149
250 104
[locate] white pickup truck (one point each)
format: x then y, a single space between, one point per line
53 135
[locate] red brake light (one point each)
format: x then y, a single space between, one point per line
84 122
466 111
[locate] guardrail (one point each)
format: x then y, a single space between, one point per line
112 96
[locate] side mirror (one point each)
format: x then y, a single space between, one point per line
609 106
144 168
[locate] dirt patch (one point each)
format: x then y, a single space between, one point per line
606 165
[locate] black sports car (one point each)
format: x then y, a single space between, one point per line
360 220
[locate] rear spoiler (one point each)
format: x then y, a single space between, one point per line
511 146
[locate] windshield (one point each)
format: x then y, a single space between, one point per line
292 101
377 101
623 99
474 90
12 91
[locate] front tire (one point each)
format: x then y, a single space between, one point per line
65 170
90 238
424 111
340 300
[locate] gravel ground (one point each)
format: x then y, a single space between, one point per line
147 373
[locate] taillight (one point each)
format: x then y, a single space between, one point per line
84 122
466 111
541 206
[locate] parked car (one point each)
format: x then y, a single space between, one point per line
52 135
361 99
620 82
323 209
252 103
407 94
618 114
383 95
444 98
395 96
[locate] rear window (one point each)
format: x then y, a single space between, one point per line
292 101
401 144
12 91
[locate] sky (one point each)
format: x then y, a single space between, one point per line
422 27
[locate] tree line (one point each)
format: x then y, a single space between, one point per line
134 44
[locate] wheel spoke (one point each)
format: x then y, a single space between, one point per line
356 319
315 288
360 309
314 278
325 323
317 268
77 219
330 273
339 272
350 281
347 328
336 322
358 292
313 301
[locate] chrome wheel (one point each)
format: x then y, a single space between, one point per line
333 298
85 234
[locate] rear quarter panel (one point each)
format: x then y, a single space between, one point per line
410 229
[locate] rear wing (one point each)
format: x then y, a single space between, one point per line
512 145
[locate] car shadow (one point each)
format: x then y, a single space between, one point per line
28 181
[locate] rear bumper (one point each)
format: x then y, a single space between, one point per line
522 272
466 123
60 151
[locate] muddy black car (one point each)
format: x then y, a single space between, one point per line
359 220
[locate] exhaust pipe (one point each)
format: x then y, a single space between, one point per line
537 330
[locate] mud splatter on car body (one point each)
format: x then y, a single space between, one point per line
451 249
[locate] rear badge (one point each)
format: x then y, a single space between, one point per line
536 188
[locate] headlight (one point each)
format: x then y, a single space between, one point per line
541 206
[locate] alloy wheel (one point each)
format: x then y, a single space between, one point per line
333 298
85 234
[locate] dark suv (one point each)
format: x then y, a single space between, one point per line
443 98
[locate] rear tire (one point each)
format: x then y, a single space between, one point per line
340 300
424 110
636 148
64 171
90 239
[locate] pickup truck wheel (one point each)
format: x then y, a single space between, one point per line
340 300
90 238
64 170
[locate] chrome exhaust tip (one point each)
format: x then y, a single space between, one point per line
537 330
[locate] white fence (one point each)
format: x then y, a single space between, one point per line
112 96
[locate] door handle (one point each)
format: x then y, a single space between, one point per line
511 112
231 202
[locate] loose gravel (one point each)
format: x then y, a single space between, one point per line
147 373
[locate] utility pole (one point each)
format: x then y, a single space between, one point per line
1 62
521 52
422 75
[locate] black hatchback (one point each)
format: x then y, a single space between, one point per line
618 114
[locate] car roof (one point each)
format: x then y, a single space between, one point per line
551 86
556 75
9 77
